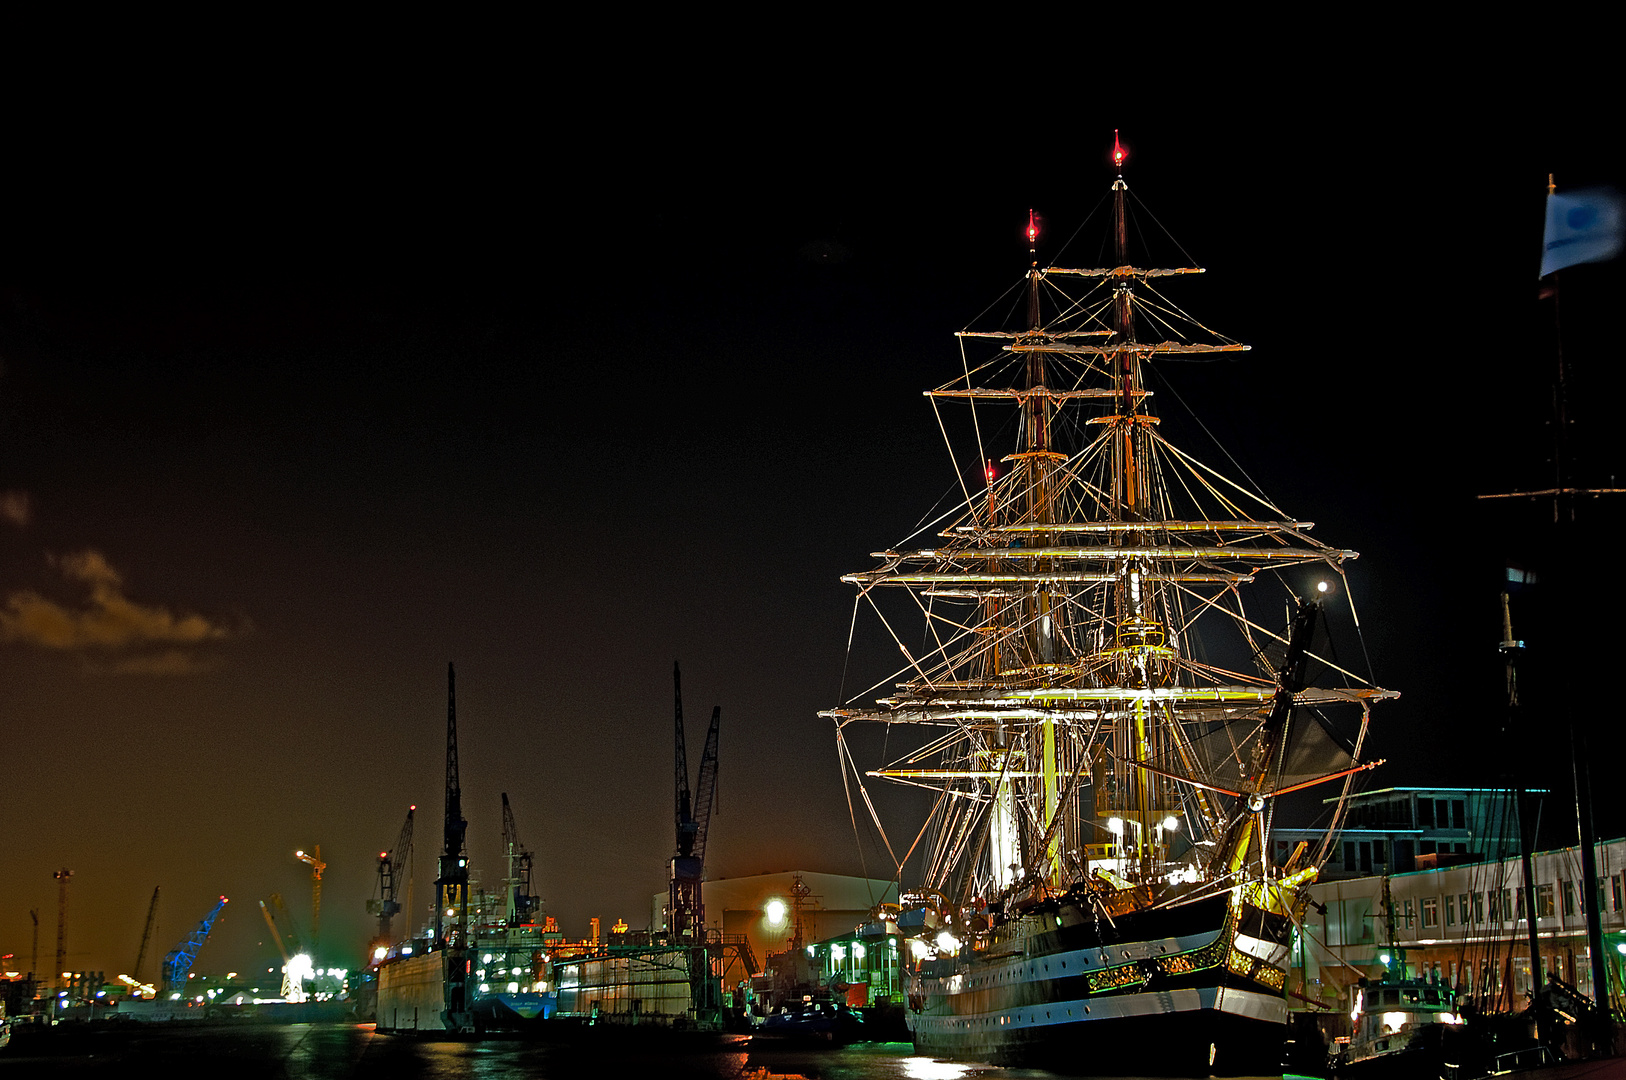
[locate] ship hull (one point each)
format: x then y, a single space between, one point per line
1189 990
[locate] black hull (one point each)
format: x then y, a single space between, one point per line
1187 991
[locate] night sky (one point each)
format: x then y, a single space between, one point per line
295 409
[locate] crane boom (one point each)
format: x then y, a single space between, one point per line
521 864
146 936
686 912
706 786
178 961
390 865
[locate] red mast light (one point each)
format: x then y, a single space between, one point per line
1033 227
1118 152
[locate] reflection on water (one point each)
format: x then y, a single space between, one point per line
243 1051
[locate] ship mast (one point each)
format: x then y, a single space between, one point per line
1135 632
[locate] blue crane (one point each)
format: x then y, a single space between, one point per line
178 961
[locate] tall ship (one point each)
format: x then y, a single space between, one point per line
1115 658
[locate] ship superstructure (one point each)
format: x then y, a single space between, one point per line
1104 700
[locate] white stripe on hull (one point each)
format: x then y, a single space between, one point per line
1271 952
1244 1003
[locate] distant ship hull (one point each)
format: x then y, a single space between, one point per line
1186 990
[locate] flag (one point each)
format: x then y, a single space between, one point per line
1582 226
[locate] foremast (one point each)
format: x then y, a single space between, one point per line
1086 581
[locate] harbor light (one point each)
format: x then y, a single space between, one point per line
1115 826
1171 823
776 910
947 942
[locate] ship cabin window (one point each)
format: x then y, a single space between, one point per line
1380 852
1425 813
1431 912
1425 847
1459 815
1442 814
1366 856
1544 901
1349 855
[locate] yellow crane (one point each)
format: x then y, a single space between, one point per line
313 859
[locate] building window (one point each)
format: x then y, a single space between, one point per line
1463 901
1408 912
1614 888
1509 912
1569 899
1450 911
1431 912
1495 906
1479 908
1544 901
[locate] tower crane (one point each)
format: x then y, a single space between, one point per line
178 961
687 918
313 859
387 905
62 877
522 903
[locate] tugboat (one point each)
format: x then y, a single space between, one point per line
1400 1030
1103 703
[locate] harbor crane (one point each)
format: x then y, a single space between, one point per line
292 988
687 912
387 905
522 903
452 885
178 961
146 936
313 859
